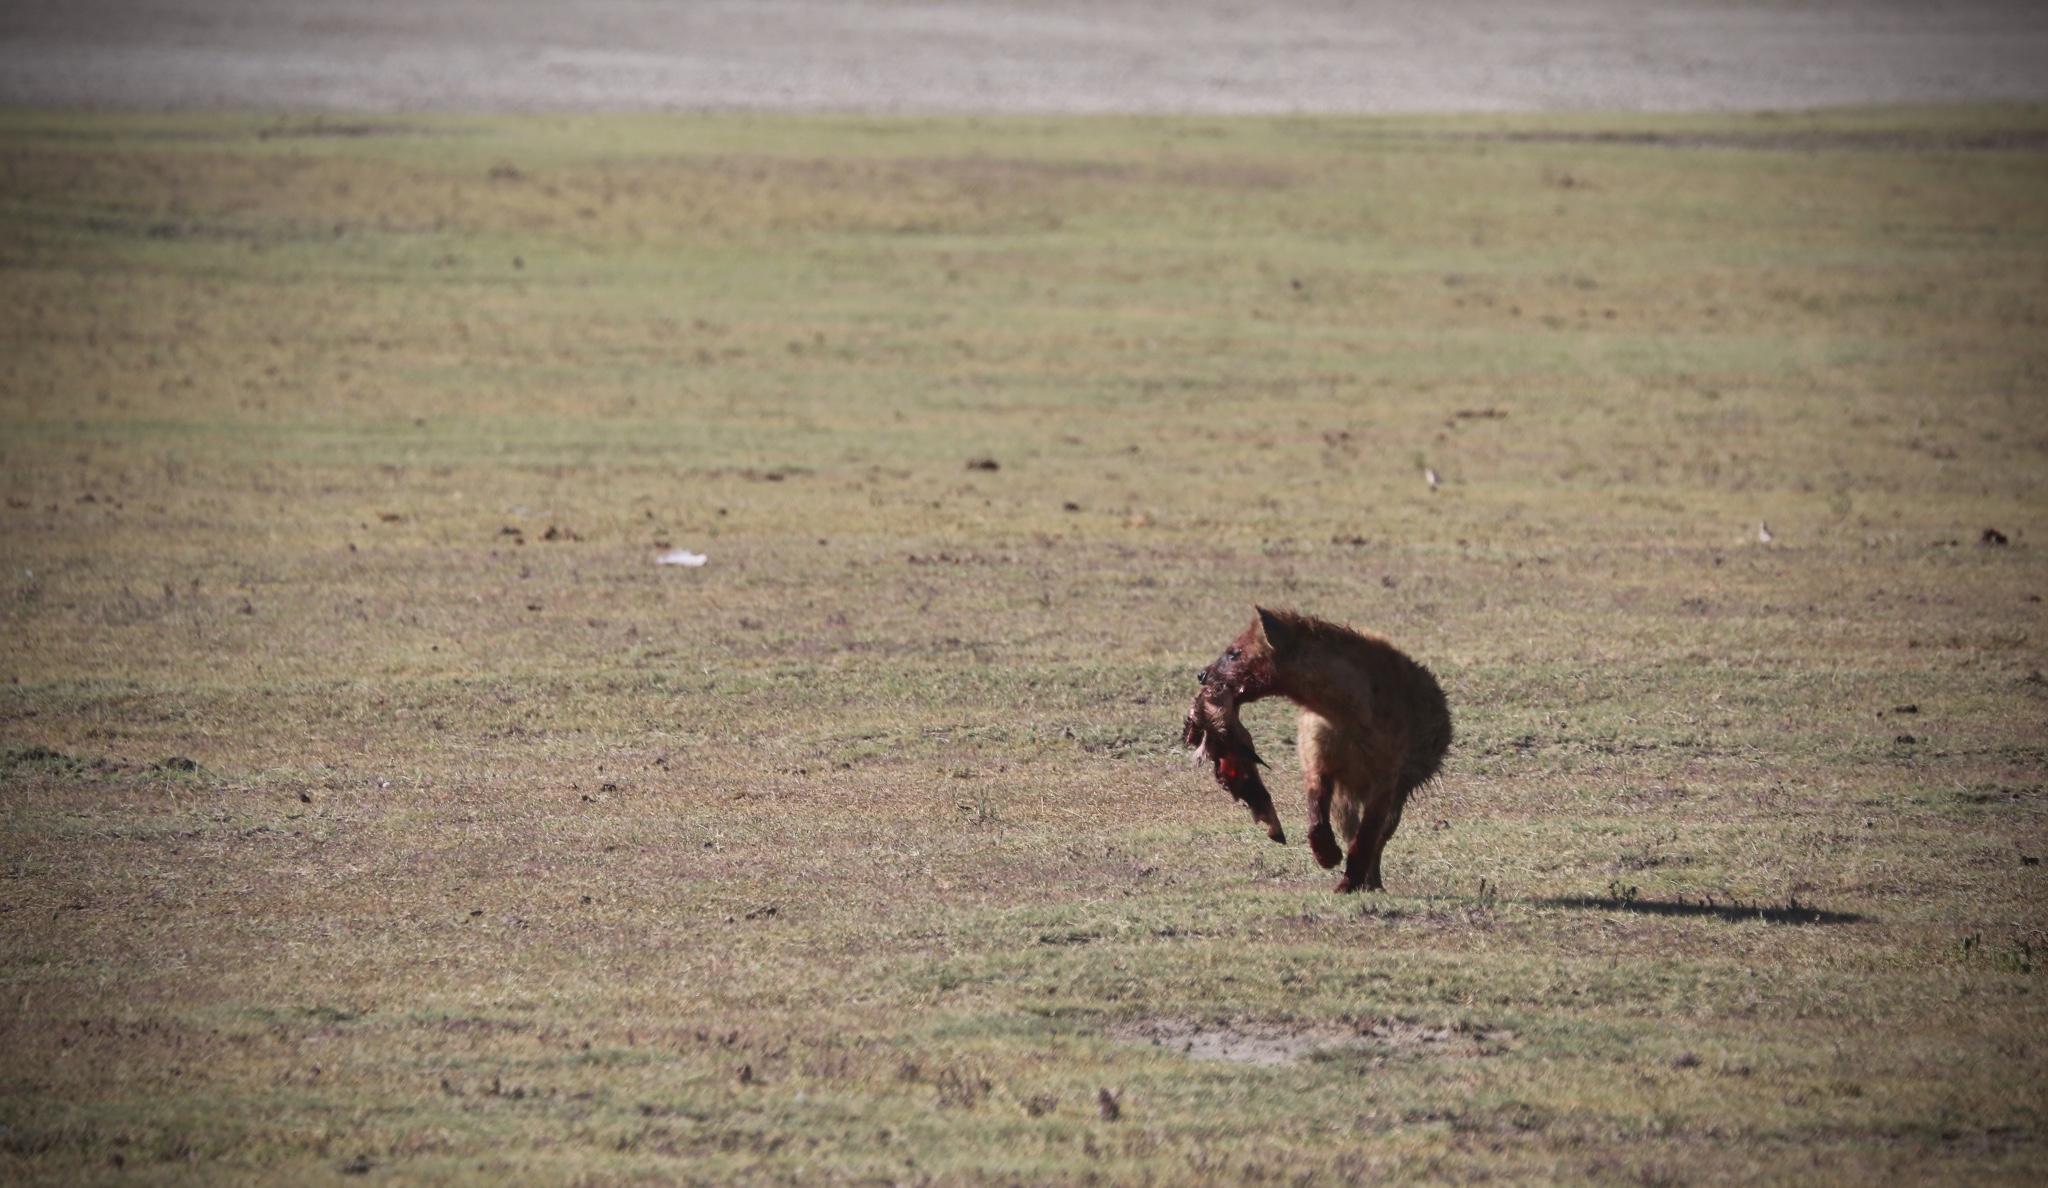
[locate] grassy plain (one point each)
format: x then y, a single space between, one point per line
336 456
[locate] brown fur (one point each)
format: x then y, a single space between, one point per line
1374 727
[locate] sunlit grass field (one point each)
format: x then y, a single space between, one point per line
372 804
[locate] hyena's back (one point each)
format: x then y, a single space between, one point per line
1389 709
1373 720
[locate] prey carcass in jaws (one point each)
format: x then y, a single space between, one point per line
1218 736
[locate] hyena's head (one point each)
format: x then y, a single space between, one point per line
1247 664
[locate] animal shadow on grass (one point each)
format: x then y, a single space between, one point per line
1792 912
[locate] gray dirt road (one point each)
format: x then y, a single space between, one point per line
1012 56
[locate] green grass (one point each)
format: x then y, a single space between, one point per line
866 852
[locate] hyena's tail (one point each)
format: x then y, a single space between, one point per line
1432 735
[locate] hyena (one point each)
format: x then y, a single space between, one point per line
1374 727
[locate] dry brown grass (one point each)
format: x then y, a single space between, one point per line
864 852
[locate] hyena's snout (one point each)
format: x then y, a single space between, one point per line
1202 676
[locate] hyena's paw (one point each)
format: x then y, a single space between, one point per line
1323 841
1359 876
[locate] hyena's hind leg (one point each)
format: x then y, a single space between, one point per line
1379 814
1392 821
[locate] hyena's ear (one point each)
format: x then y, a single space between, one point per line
1272 626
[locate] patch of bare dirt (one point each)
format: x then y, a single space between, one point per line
1248 1041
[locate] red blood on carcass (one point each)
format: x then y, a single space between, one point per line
1214 730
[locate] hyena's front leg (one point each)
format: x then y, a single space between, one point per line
1321 838
1319 779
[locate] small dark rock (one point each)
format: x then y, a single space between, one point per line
1913 708
1685 1060
983 464
1993 538
1106 1106
359 1166
1906 738
177 763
